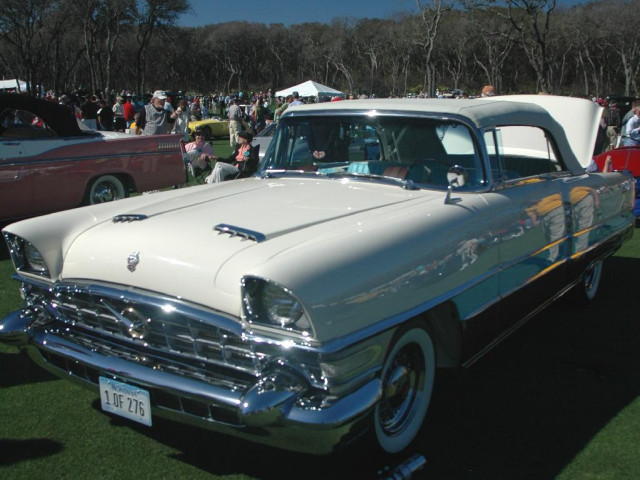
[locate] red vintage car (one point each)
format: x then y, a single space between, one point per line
624 159
50 162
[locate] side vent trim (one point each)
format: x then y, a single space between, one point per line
240 232
128 218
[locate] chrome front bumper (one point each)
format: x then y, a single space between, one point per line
269 412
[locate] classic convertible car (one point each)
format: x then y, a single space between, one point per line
309 306
49 161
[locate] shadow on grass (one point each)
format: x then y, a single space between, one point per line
15 451
19 369
529 407
4 251
524 411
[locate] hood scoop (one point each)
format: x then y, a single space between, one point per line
234 231
129 217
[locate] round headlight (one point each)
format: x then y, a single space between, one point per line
34 259
267 303
281 307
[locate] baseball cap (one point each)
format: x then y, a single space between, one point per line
160 95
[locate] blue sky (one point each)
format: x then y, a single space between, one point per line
290 12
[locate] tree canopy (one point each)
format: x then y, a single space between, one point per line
101 46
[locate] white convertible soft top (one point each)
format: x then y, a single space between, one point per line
573 122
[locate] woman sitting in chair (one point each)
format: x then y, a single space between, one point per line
242 163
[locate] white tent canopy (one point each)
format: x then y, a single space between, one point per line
15 83
310 89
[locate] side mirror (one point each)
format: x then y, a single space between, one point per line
457 176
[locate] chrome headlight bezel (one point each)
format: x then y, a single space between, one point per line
25 256
269 304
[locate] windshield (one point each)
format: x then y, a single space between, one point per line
409 148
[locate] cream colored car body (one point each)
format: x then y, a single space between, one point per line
367 258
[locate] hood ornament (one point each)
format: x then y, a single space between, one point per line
132 261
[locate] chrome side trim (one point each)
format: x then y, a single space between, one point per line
30 161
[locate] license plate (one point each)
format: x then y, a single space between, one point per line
125 400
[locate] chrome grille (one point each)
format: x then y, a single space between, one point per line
174 337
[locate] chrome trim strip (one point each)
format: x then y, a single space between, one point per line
137 374
340 412
516 326
15 162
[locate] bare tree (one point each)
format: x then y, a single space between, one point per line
623 38
371 42
116 14
396 59
150 15
512 44
582 32
494 43
338 55
453 50
278 43
32 29
430 14
531 20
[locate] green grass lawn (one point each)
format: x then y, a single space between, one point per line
559 399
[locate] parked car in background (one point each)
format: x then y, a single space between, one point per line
624 159
50 162
380 239
212 127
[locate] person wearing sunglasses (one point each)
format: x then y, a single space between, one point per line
243 162
199 152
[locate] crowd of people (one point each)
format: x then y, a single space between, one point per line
248 114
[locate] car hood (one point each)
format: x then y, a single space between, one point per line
207 121
180 247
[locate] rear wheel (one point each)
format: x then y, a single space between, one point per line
589 284
407 384
106 188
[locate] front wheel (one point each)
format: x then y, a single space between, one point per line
407 384
106 189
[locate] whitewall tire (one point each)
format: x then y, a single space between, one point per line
407 384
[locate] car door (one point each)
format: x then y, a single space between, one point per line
535 240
